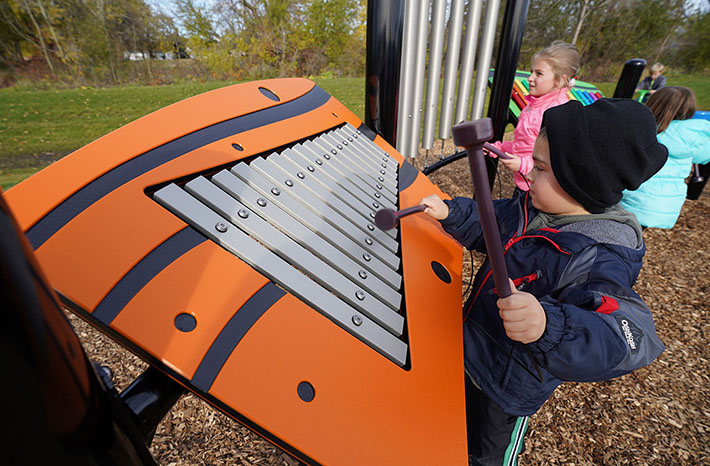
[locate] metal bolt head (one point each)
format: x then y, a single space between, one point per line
359 294
326 156
243 213
372 214
381 179
261 201
378 195
345 143
310 168
357 320
376 205
350 139
384 165
221 227
369 243
362 274
367 257
319 162
289 183
300 175
275 191
333 151
339 147
378 186
382 172
371 227
384 159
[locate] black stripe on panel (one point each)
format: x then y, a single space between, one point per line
367 132
137 166
232 333
144 271
407 174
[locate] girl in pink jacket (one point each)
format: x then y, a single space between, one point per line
553 72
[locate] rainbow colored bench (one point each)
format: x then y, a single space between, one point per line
582 91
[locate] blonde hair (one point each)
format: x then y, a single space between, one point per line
671 103
656 68
563 58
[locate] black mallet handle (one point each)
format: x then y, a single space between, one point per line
472 135
496 151
386 219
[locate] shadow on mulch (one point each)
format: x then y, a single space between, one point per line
658 415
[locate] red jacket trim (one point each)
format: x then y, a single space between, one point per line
608 306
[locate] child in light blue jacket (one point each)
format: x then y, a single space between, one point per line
658 201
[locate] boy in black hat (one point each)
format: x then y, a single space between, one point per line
573 256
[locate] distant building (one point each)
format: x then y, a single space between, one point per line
137 56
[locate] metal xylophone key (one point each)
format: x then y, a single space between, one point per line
305 218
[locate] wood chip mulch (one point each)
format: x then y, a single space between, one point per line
658 415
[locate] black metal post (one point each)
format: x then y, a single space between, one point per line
511 37
149 397
701 173
385 21
629 79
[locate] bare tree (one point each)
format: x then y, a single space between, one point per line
40 37
580 20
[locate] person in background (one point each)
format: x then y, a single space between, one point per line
657 202
573 255
654 81
553 73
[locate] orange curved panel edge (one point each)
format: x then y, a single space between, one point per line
241 333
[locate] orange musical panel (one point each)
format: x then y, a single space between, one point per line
229 241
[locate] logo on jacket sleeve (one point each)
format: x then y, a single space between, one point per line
631 333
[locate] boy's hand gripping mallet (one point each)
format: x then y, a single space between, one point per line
472 135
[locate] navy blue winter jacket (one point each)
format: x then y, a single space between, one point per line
597 326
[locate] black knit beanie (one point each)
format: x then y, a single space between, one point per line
598 150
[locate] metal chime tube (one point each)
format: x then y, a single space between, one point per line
484 59
468 60
436 51
451 68
412 148
406 81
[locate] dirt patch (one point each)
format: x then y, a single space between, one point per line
658 415
39 160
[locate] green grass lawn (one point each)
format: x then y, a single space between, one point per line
38 126
64 120
698 83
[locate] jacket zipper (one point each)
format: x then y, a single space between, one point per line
507 246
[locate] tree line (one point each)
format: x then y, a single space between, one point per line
93 41
77 42
609 32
